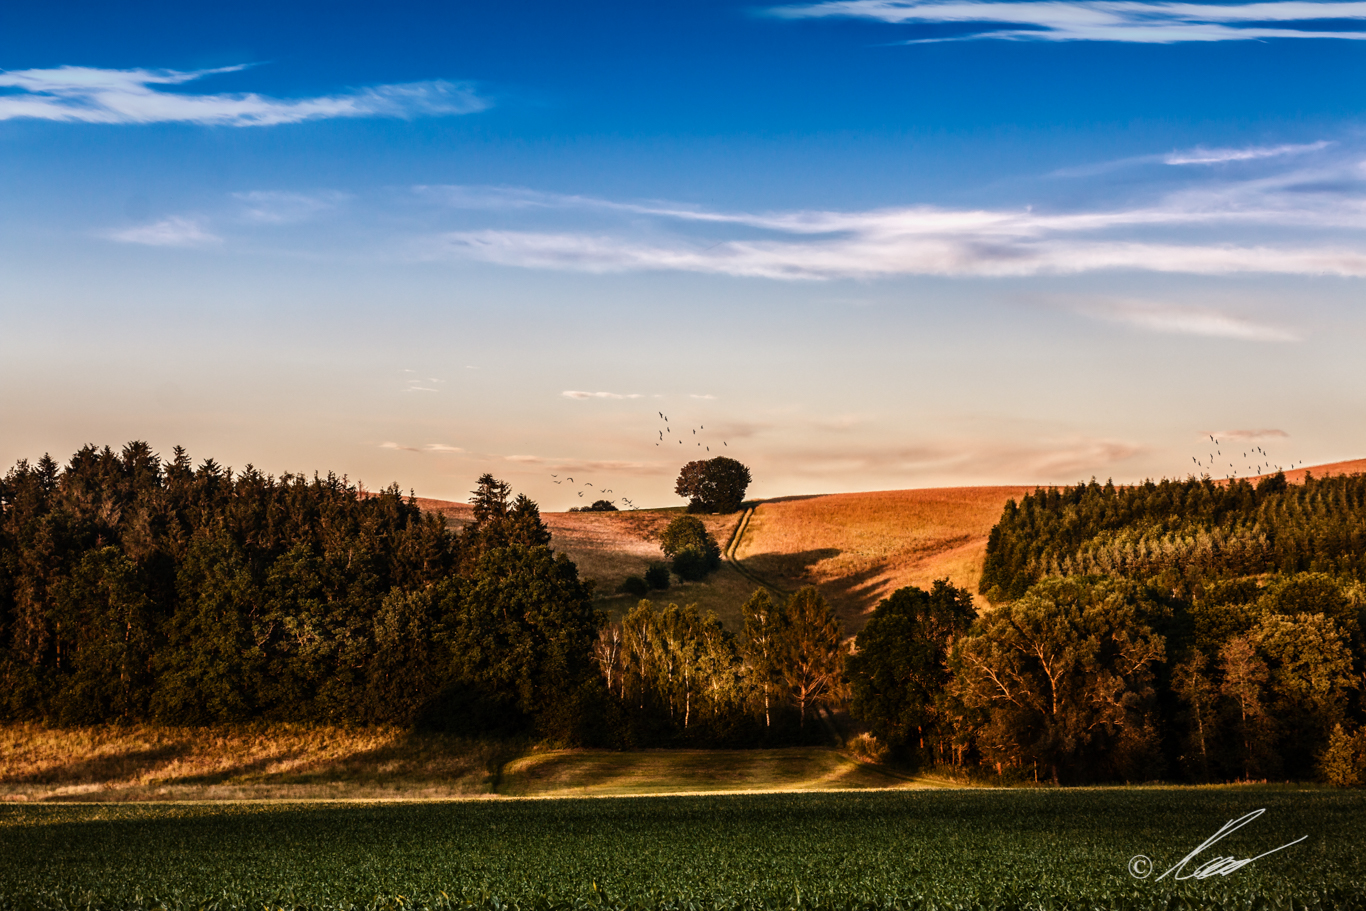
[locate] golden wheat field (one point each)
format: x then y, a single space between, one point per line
858 548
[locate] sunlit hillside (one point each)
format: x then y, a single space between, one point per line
857 548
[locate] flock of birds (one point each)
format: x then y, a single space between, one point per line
669 430
1258 462
568 480
666 434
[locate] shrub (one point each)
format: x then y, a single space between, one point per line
598 506
867 748
693 550
657 576
691 566
1343 763
634 585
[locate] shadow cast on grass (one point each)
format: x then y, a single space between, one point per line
125 764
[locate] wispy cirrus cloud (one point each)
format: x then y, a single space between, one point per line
78 94
1264 434
415 383
1268 224
275 207
1182 320
1250 153
576 394
1133 21
175 231
436 448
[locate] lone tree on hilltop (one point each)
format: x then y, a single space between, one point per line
714 485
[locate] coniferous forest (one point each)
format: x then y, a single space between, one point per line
133 588
1175 628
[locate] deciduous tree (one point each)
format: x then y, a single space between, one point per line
899 669
1063 678
811 652
714 485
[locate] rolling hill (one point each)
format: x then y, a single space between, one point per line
856 548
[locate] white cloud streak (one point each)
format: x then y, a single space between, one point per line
1265 434
872 254
1198 321
1254 153
575 394
1088 20
175 231
433 448
273 207
929 240
77 94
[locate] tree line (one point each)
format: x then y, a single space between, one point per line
677 677
136 588
1089 678
1179 534
1177 629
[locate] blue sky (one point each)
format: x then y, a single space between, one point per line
858 245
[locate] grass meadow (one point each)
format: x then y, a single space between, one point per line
941 849
276 761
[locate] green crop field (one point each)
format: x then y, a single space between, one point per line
960 849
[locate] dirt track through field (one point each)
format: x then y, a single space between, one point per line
734 544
